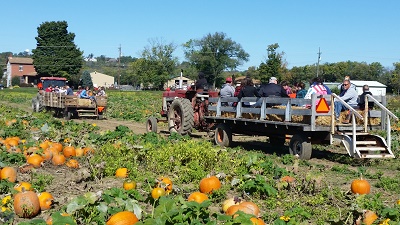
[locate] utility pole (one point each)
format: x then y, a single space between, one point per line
119 66
319 58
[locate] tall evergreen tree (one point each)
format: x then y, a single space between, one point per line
273 66
86 79
55 53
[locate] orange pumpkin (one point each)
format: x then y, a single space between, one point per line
26 204
197 197
360 186
123 218
35 160
8 173
166 183
369 217
23 186
58 159
47 154
157 192
230 202
121 173
88 150
72 163
287 179
79 152
257 221
129 185
57 146
45 200
44 144
13 142
246 207
209 184
69 151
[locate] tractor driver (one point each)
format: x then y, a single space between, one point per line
201 83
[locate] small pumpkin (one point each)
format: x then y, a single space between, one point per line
79 152
47 154
123 218
58 159
257 221
197 197
166 183
72 163
230 202
8 173
129 185
209 184
88 150
121 173
157 192
57 146
26 204
45 200
287 179
360 186
23 186
69 151
369 217
35 160
45 144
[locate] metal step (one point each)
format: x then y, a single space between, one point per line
377 156
366 142
371 148
86 110
87 115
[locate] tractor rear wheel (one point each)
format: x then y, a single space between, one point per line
180 116
223 135
151 124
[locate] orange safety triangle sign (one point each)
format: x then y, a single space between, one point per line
322 106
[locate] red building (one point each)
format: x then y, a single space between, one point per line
21 67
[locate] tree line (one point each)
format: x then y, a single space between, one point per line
215 54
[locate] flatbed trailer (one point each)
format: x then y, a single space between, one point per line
279 118
70 105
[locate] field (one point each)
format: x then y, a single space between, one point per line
286 190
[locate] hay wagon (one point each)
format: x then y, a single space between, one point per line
70 105
281 118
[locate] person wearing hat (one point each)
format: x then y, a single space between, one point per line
227 90
273 89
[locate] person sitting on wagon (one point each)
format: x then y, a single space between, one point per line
361 99
85 94
201 84
350 96
227 91
248 90
101 92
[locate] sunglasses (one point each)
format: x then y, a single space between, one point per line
345 84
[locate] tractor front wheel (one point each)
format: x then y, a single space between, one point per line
180 116
151 124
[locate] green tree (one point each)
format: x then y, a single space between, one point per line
273 67
213 54
156 66
86 79
55 53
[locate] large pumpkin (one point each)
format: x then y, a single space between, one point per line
35 160
123 218
58 159
8 173
209 184
360 186
26 204
69 151
197 197
166 183
246 207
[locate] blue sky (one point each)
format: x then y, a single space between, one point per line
355 30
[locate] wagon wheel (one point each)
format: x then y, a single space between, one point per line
180 116
223 135
151 124
300 146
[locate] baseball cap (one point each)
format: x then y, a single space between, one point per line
272 79
229 79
